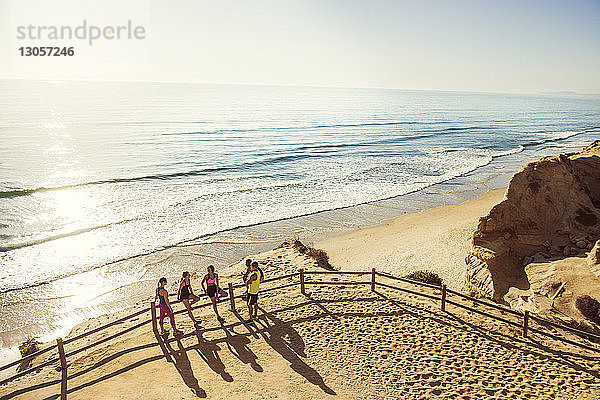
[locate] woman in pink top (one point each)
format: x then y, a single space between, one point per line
212 289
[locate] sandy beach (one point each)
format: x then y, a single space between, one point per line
436 239
338 341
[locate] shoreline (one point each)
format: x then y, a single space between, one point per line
201 239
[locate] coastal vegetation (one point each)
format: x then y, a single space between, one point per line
425 277
29 346
319 255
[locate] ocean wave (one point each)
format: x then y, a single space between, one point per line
10 247
408 188
206 171
293 157
26 192
558 136
509 152
337 126
81 270
305 127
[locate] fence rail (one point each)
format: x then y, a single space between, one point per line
444 293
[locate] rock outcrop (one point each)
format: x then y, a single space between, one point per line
551 210
554 288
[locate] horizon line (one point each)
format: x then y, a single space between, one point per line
549 92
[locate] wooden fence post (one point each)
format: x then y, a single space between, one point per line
525 322
561 287
231 298
63 368
302 288
153 313
372 279
443 297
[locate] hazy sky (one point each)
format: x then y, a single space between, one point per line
506 46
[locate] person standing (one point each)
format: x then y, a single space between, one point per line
253 281
212 289
186 295
248 265
248 270
165 307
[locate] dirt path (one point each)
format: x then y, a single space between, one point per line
338 342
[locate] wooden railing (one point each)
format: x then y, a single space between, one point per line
524 323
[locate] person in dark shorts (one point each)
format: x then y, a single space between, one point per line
186 295
212 289
253 281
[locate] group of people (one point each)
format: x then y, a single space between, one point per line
253 276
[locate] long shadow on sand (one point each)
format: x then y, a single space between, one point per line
184 367
209 352
84 371
207 348
238 346
32 388
286 341
510 342
504 340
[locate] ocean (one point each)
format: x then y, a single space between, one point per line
93 173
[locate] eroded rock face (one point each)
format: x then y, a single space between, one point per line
551 210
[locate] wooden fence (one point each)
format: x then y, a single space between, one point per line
524 323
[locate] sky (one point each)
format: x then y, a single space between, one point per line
524 46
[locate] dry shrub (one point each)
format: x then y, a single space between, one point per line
298 245
29 346
425 277
320 256
585 326
475 294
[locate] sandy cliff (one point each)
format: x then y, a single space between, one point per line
551 211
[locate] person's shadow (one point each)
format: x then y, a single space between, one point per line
184 367
209 351
238 345
289 344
